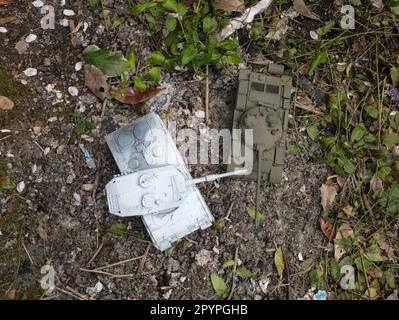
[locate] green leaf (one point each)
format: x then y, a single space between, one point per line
157 58
321 58
171 23
394 76
181 9
279 262
118 229
118 22
233 58
154 74
208 24
131 60
372 112
357 133
384 172
188 54
170 5
111 64
228 263
391 138
219 286
379 153
313 131
6 183
349 167
294 149
373 253
327 28
93 2
395 10
252 214
139 84
218 224
138 9
244 273
228 44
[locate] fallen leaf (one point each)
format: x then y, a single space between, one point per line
244 273
376 183
118 229
301 7
6 103
11 294
327 229
3 2
42 232
229 5
219 286
343 232
96 81
305 103
348 210
261 215
279 262
328 194
132 95
387 248
374 273
7 20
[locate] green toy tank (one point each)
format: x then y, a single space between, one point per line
263 103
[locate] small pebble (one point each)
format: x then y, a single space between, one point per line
64 22
73 91
30 38
78 66
21 186
38 3
3 30
68 12
30 72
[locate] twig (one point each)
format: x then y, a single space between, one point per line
118 263
229 211
27 253
96 253
207 95
145 255
68 293
112 275
233 285
76 292
287 276
365 274
6 137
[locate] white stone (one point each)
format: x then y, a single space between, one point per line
30 72
38 3
78 66
73 91
64 22
21 186
3 30
68 12
30 38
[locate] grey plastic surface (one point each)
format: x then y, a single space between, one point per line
145 148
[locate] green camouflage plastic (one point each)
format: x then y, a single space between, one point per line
263 103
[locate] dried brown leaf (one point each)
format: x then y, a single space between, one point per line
305 103
3 2
344 232
133 96
229 5
6 103
375 273
96 81
327 228
376 183
348 210
328 194
42 232
387 248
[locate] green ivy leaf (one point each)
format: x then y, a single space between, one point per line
139 84
154 74
188 54
321 58
118 229
171 23
208 24
219 286
157 58
111 64
244 273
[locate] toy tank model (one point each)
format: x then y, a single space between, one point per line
154 183
263 102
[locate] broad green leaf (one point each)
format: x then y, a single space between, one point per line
138 9
372 112
208 24
111 64
395 10
219 286
218 224
349 167
228 263
7 184
188 54
379 153
171 23
279 262
391 138
139 84
313 132
373 253
321 58
357 133
251 212
394 76
118 22
118 229
157 58
233 58
326 28
131 60
244 273
154 74
384 172
228 44
170 5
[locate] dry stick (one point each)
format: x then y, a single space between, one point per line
118 263
365 274
6 137
229 211
27 253
68 293
96 253
233 285
145 255
112 275
76 292
207 95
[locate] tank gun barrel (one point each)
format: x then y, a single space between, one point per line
214 177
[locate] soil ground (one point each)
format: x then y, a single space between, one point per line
61 216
